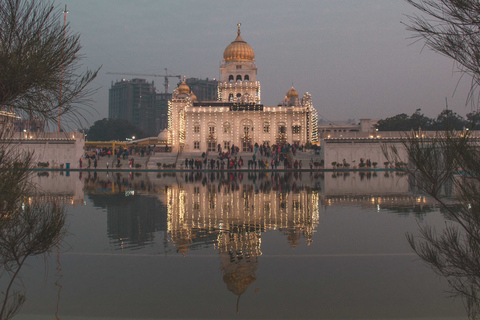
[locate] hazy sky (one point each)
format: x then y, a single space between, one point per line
355 57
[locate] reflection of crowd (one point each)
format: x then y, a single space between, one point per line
220 163
261 182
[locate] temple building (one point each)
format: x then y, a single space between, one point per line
237 117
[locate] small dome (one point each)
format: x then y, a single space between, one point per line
183 87
238 50
163 136
292 93
193 96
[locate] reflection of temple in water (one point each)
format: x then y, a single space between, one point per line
230 211
232 216
239 250
198 209
196 212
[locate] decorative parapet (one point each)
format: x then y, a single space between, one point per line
50 137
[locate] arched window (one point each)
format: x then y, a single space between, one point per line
226 127
246 78
230 78
230 97
239 77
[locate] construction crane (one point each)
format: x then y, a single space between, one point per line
166 76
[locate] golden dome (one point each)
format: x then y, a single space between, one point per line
193 96
238 50
183 87
292 93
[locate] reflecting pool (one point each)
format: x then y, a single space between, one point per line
253 246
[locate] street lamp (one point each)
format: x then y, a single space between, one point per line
133 137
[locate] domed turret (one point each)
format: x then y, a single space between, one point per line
183 87
163 136
238 50
292 93
193 96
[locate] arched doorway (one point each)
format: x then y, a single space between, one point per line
247 137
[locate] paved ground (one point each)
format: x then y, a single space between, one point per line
150 162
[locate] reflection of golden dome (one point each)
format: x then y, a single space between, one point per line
183 87
238 282
238 50
292 93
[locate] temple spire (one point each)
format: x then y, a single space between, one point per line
238 31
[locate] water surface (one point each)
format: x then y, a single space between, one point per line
253 246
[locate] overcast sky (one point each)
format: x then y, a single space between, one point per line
355 57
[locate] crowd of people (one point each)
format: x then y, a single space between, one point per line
264 157
121 151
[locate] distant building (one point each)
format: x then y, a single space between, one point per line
204 89
137 101
134 100
161 111
338 129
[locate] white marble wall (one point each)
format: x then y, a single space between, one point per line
55 148
354 149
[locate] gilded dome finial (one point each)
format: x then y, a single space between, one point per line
238 50
292 93
183 87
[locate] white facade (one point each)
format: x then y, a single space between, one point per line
55 148
238 118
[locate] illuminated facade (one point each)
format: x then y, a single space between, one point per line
237 117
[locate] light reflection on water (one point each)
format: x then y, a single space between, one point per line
290 245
